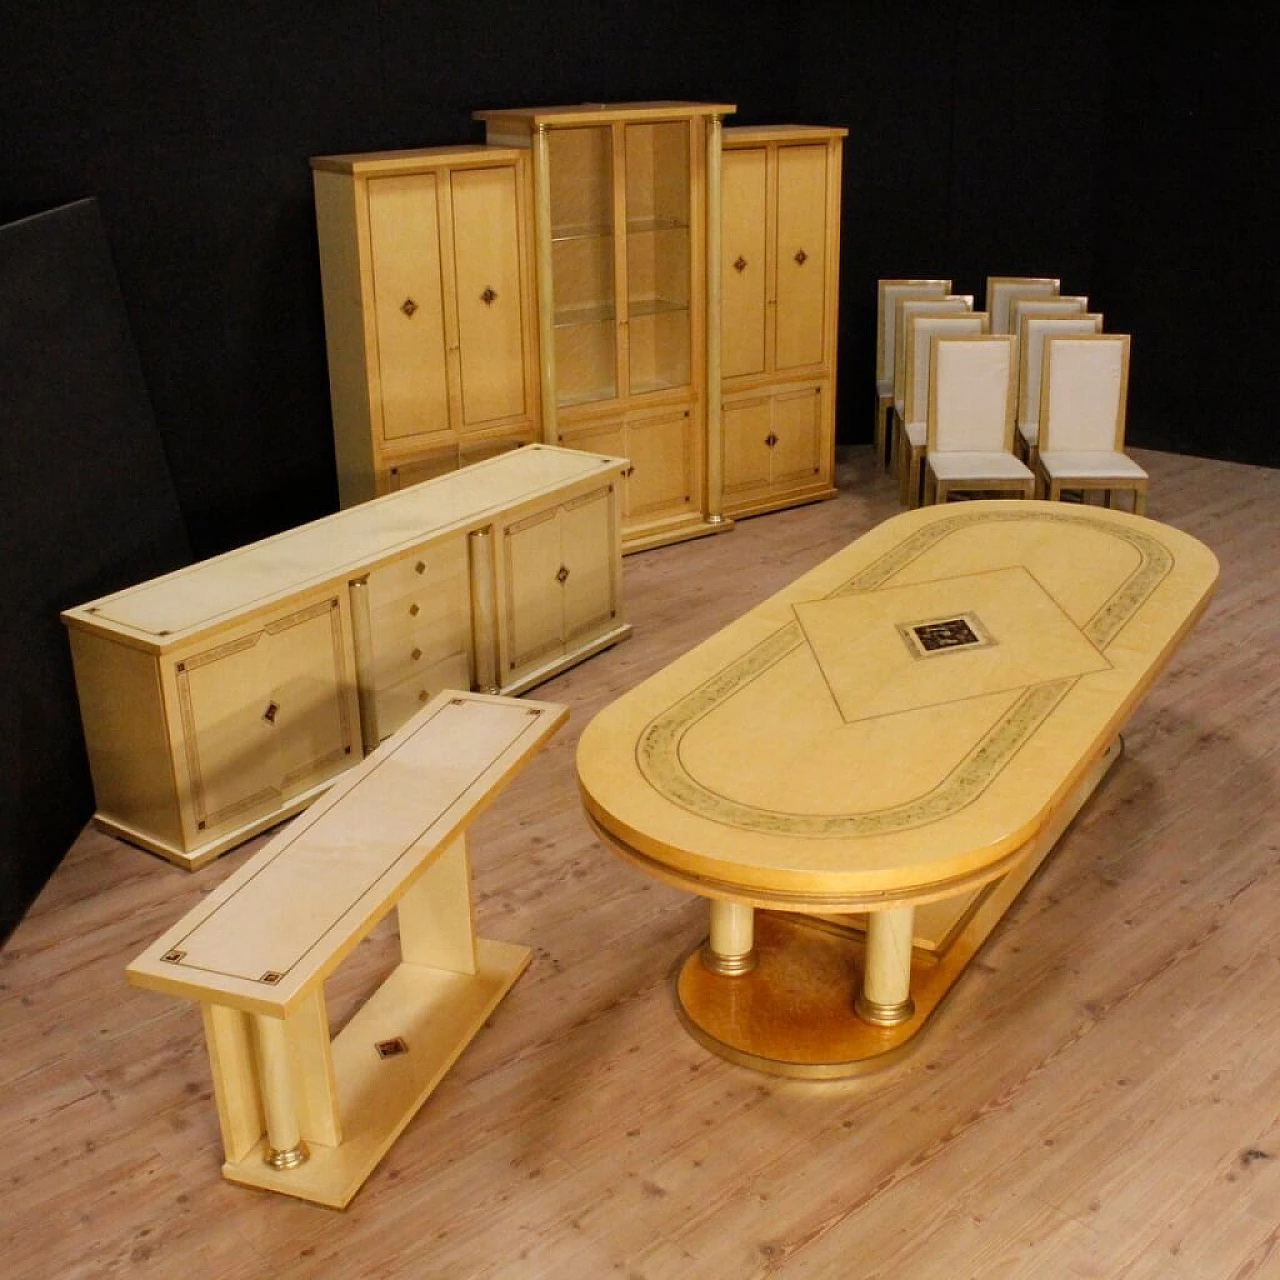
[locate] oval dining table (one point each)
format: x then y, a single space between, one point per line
861 773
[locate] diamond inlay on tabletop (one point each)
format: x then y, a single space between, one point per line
903 648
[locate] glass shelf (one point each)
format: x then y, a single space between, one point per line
655 306
581 231
596 313
637 226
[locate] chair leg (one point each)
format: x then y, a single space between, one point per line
914 464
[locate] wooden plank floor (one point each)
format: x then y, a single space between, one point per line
1099 1098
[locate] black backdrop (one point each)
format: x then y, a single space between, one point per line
1121 146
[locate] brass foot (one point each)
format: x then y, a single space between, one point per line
884 1015
289 1159
728 966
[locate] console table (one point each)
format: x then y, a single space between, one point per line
225 696
880 756
299 1113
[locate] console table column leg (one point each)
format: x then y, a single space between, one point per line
731 948
885 999
285 1147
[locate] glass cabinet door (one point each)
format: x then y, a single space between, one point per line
584 290
658 338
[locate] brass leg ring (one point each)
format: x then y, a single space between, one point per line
884 1015
289 1159
728 966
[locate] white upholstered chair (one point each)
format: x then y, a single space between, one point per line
1058 305
1002 290
912 425
1084 392
1032 331
906 308
887 294
969 444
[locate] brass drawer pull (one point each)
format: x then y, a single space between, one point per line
801 257
408 306
741 265
488 297
563 575
771 439
273 710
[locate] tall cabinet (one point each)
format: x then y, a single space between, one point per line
626 226
779 251
430 320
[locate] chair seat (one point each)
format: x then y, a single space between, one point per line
963 465
1068 464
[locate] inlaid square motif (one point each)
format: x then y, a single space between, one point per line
914 646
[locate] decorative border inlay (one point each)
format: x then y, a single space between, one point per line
658 746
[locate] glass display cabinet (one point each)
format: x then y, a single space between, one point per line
626 223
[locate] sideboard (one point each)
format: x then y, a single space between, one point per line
225 696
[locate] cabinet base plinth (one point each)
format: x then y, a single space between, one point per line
646 540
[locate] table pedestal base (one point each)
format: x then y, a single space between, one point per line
793 1013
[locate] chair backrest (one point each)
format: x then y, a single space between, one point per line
918 338
1068 305
1032 331
908 307
1084 390
971 386
887 294
1001 291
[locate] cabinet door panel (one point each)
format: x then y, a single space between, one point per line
490 306
665 478
534 604
747 426
743 269
264 715
588 542
801 241
797 428
408 302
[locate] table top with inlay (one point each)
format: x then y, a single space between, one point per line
898 723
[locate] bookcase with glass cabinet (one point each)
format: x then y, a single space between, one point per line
626 225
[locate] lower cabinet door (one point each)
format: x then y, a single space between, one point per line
264 715
777 447
591 584
562 577
533 608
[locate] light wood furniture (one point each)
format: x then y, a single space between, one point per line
888 292
1084 398
780 278
969 426
911 428
626 225
1032 330
427 270
900 736
299 1112
1003 290
221 698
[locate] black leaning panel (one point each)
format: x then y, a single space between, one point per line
87 505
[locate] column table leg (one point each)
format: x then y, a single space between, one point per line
285 1147
731 948
885 998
